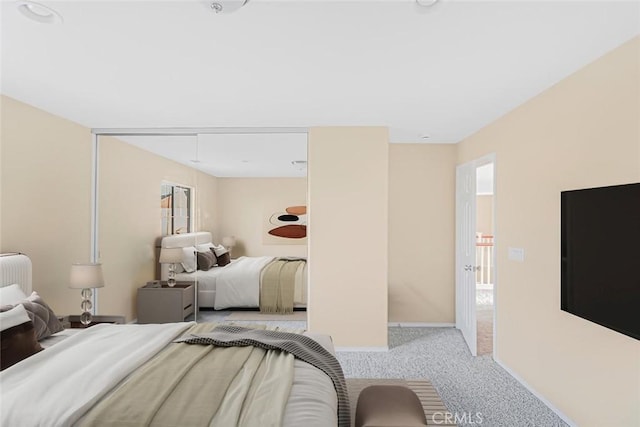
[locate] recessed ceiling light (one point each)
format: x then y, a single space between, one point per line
426 6
426 3
424 136
39 12
226 6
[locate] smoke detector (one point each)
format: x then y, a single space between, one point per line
226 6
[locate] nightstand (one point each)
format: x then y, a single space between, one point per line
165 304
73 321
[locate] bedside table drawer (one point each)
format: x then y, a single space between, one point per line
188 300
165 304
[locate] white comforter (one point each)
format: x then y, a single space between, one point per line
238 284
56 386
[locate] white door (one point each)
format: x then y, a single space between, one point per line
466 253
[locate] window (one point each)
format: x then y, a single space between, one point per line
175 205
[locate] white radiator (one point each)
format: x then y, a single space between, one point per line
15 268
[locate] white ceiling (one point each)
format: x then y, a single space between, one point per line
301 63
239 155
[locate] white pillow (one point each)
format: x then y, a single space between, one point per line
189 259
205 247
14 317
220 250
12 294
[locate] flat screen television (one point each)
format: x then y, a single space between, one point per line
600 256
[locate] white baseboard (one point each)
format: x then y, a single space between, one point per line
421 325
544 400
361 349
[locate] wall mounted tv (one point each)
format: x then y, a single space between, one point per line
600 256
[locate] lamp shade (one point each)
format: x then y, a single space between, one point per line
170 255
85 276
229 241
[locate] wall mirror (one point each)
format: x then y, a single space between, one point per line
229 184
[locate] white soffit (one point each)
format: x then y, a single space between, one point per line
444 74
263 155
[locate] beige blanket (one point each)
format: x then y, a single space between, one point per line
186 385
277 287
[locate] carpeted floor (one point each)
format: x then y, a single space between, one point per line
470 387
434 410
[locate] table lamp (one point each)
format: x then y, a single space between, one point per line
229 242
86 277
171 256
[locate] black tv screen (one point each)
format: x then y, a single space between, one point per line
600 256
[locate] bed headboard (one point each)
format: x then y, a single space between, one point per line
182 241
16 268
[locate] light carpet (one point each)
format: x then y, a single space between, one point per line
257 316
469 386
434 410
476 390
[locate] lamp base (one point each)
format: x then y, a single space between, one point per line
171 278
85 317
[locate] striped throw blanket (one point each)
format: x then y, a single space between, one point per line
302 347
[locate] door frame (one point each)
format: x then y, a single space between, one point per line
481 161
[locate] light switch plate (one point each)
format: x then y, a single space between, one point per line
516 254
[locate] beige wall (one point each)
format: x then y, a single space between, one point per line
241 209
583 132
45 178
421 232
129 217
348 229
484 214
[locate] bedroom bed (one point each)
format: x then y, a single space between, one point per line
241 283
112 375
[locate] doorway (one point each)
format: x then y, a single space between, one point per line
475 257
485 241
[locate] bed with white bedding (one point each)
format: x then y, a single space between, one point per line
76 380
238 284
74 375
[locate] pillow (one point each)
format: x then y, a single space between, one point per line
189 259
205 247
13 317
45 322
224 259
206 260
11 294
17 337
219 250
